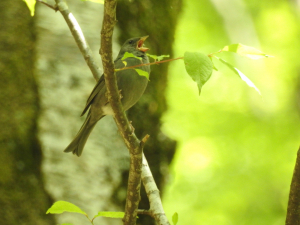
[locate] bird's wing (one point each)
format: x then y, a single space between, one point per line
100 84
119 63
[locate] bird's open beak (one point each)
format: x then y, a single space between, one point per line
140 45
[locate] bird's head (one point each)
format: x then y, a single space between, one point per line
135 45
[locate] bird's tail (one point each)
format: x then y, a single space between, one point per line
77 145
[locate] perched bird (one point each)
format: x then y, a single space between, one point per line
130 84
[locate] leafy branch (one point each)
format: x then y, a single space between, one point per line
197 64
146 64
200 66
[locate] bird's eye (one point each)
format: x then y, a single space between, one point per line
130 42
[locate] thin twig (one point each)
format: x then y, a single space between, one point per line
55 8
144 140
147 64
145 212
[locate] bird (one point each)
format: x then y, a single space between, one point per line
130 84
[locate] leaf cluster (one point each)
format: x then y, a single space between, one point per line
200 66
63 206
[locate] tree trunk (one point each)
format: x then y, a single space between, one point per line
23 198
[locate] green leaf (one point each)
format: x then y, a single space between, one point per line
67 224
111 214
244 50
142 73
240 74
30 4
125 63
158 58
199 67
63 206
175 218
130 55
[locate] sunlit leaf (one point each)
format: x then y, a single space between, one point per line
63 206
240 74
125 63
142 73
244 50
199 67
130 55
111 214
67 224
30 4
158 57
175 218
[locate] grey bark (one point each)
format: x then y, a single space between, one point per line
65 83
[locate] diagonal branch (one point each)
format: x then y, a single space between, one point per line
156 207
48 5
79 38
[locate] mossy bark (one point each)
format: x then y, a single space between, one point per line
23 199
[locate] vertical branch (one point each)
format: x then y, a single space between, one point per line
133 144
157 18
293 211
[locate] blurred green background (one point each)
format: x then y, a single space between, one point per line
236 149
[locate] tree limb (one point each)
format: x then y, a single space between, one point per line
156 207
131 141
79 38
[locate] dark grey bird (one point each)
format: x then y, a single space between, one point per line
130 84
